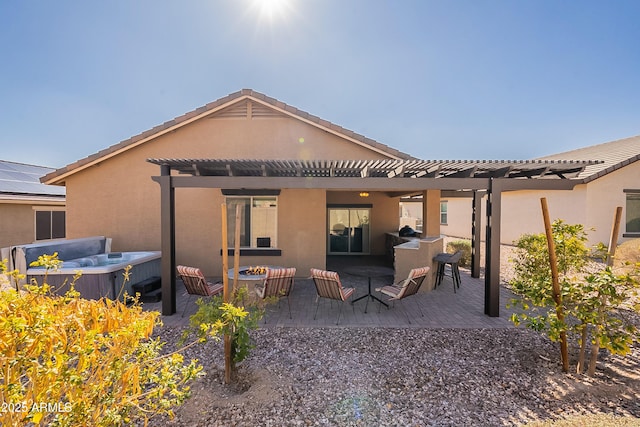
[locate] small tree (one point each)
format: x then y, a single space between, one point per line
215 318
69 361
592 302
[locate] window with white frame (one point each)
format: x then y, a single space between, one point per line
632 223
50 224
258 222
443 212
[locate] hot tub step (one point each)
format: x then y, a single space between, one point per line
154 296
149 289
147 285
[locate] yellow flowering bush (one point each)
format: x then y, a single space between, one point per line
68 361
216 318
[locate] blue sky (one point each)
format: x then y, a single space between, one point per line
476 79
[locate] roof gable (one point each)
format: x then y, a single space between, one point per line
244 103
613 154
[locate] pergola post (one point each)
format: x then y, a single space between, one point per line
476 228
430 213
492 252
168 245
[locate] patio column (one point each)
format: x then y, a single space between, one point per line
167 230
476 227
492 251
431 213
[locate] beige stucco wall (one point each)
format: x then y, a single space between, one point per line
118 199
17 221
604 194
592 205
521 213
458 217
17 224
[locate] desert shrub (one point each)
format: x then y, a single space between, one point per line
465 247
594 302
68 361
215 318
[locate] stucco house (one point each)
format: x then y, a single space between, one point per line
29 210
307 188
603 187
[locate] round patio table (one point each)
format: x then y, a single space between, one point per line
369 271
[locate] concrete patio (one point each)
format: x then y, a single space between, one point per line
442 308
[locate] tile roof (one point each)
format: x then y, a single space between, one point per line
19 180
614 155
58 176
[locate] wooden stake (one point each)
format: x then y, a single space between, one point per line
236 247
611 251
225 255
613 240
557 296
226 294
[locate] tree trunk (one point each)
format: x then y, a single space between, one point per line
595 348
583 348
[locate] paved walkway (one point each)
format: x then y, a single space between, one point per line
442 308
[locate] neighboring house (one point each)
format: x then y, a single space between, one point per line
605 186
29 210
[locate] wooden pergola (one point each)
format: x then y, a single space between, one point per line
455 178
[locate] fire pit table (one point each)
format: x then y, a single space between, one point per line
248 274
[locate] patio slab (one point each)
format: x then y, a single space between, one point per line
442 308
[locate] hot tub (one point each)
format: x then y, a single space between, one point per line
102 274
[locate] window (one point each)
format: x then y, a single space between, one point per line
443 212
348 230
258 223
633 213
50 224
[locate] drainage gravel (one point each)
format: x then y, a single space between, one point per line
400 377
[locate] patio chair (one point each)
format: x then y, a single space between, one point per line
451 260
196 284
277 283
328 286
405 288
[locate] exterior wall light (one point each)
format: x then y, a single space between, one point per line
364 194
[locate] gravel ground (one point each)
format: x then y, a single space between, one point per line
407 377
402 377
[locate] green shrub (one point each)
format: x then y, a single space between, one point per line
215 318
68 361
591 305
465 247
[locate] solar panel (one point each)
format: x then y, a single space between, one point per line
19 178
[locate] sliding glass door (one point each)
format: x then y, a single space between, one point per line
348 230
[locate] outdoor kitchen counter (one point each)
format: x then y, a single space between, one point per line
416 252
